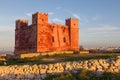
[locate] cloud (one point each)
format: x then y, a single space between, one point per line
87 19
70 12
51 13
56 20
73 14
76 16
29 14
84 20
103 29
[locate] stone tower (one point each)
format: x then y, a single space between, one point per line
43 32
42 36
19 38
73 33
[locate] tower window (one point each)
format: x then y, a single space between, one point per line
42 19
64 30
52 29
53 39
64 39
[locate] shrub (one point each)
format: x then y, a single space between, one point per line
76 52
84 74
1 63
64 76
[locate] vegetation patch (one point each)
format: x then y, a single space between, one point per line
84 75
59 58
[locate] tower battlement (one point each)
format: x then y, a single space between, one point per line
22 20
39 18
21 24
40 13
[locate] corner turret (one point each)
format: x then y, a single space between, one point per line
73 32
21 24
39 18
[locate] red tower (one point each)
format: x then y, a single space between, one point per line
42 36
43 32
73 33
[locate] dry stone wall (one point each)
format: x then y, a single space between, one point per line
39 72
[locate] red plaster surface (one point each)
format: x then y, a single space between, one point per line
42 36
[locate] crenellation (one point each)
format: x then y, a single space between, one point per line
22 20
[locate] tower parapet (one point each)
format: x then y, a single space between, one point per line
40 18
21 23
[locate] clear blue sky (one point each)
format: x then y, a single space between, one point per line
99 20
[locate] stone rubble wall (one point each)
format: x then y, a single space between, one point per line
39 72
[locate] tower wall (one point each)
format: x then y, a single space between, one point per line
21 25
43 31
60 37
25 39
39 18
73 33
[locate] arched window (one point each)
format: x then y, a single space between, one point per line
52 29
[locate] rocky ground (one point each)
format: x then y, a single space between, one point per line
39 72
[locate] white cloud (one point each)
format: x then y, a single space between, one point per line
76 16
29 14
84 20
56 20
51 13
70 12
103 29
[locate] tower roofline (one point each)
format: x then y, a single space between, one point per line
21 20
40 13
72 19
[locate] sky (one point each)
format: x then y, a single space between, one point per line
99 20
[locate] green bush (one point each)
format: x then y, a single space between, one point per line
1 63
50 77
84 74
